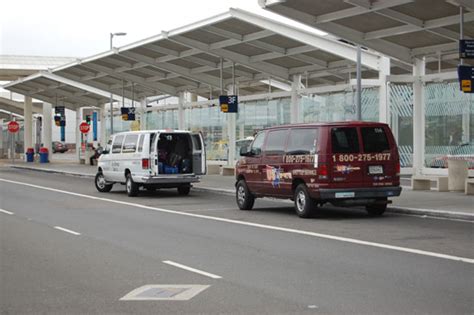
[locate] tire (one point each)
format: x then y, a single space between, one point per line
184 190
376 210
101 184
131 186
304 204
245 199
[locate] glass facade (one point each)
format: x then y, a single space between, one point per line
401 120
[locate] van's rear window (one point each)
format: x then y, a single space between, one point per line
375 139
344 140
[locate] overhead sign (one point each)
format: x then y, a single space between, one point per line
128 113
229 103
466 78
13 127
84 127
466 49
59 110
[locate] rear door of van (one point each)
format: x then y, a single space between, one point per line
199 155
380 156
348 162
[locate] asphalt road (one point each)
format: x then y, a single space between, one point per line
67 249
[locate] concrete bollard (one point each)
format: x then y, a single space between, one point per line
457 174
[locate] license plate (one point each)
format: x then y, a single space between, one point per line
375 169
345 195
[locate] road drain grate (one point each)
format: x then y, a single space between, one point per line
165 292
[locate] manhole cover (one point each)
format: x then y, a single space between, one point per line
165 292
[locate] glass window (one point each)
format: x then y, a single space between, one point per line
276 140
140 143
130 144
375 139
117 145
258 143
302 141
344 140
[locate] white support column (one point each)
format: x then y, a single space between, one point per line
2 152
47 127
418 117
78 133
28 123
384 71
103 126
295 100
143 114
182 99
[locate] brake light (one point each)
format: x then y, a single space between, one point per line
145 163
323 171
397 168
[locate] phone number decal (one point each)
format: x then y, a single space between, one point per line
362 157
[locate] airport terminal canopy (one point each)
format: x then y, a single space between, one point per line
403 29
189 59
13 67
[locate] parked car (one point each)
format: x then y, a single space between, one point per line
152 159
455 153
59 147
342 163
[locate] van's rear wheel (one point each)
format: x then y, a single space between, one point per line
244 197
131 186
304 204
184 190
101 184
376 209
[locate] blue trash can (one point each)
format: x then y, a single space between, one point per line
43 153
30 155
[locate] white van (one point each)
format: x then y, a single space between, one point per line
152 159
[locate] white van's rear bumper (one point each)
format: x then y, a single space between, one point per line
168 179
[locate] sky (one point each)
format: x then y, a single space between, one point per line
81 28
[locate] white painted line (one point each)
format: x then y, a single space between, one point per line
257 225
207 274
6 212
67 230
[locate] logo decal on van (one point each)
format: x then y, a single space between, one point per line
346 169
274 175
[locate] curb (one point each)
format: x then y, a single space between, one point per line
440 214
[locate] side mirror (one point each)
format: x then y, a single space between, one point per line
244 151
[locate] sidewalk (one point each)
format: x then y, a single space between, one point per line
452 205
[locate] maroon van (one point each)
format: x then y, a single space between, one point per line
343 163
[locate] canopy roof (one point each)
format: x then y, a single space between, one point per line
189 59
13 67
403 29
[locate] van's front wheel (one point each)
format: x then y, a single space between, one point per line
131 186
304 204
245 199
101 184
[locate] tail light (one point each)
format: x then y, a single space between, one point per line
323 171
145 163
397 168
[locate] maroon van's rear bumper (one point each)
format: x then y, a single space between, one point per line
358 193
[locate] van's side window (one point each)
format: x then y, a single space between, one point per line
344 140
257 144
375 139
117 145
302 141
130 144
152 141
140 142
276 140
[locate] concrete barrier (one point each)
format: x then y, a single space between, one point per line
457 174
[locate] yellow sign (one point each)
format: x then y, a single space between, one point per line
466 85
224 108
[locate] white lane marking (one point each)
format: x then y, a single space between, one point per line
6 212
67 230
257 225
204 273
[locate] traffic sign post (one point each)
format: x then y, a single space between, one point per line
13 128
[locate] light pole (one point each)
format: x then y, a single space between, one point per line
111 98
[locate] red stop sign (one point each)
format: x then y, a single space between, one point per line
13 126
84 127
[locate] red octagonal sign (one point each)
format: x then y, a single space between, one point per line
13 126
84 127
